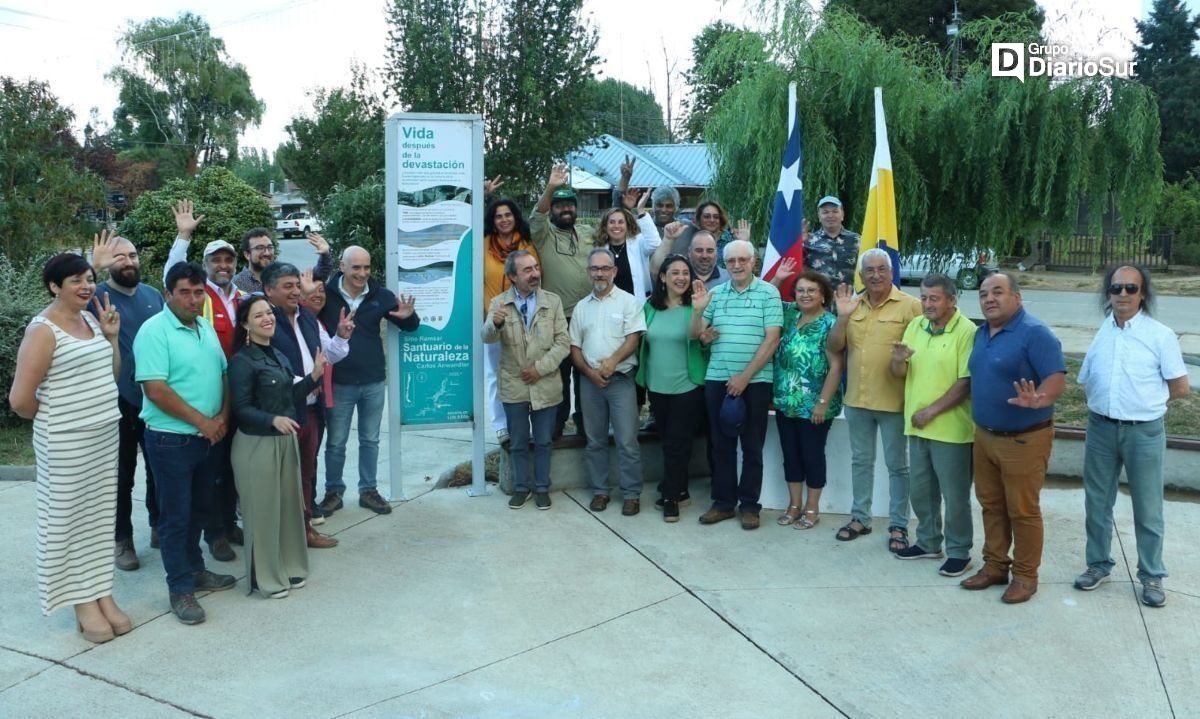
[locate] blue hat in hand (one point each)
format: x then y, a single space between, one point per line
733 415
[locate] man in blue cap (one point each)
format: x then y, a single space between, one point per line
832 250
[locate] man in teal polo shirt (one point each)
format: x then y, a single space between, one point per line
932 358
181 367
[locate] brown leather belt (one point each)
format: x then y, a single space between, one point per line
1030 428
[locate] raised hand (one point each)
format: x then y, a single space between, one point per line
901 352
490 186
405 305
742 231
1027 395
627 168
630 199
186 220
285 425
785 271
320 244
644 199
700 296
307 284
845 300
110 319
103 248
558 177
345 325
673 230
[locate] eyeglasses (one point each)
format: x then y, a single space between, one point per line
1129 287
875 271
261 248
596 268
807 290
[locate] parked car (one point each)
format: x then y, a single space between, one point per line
297 223
966 268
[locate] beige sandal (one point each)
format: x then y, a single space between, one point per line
787 517
808 520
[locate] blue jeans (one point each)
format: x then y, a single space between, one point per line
615 404
368 398
1139 448
183 476
519 417
862 424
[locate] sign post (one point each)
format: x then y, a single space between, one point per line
434 214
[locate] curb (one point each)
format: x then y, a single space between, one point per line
17 473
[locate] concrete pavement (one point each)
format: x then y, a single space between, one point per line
455 606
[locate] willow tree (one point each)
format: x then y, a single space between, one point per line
976 163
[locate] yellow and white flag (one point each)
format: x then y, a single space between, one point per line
879 226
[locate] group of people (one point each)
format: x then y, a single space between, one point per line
644 308
227 381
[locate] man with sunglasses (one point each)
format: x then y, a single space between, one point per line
1017 372
1132 369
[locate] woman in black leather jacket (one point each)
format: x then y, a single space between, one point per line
265 455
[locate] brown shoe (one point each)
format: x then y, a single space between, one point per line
750 520
631 507
316 540
982 580
1021 590
715 515
599 503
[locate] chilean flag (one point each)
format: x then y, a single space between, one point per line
879 225
787 217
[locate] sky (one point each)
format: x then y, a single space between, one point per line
291 46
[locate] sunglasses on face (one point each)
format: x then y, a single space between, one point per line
1129 288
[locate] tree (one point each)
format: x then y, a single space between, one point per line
45 189
182 100
354 216
342 143
974 164
622 110
524 65
926 20
1165 63
722 55
230 205
258 169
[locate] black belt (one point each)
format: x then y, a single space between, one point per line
1031 428
1122 422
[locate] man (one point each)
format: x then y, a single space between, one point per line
182 370
702 251
563 253
932 359
359 381
1133 368
1017 372
748 318
867 326
300 337
605 331
832 250
135 302
221 301
531 328
665 201
259 250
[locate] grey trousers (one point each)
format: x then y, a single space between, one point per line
941 470
863 424
615 404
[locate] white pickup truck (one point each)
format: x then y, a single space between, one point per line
297 223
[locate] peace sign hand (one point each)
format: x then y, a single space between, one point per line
345 325
110 319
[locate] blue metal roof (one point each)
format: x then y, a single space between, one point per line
683 165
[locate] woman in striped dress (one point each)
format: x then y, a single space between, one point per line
65 383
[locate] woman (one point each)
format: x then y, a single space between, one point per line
711 217
671 367
808 391
504 231
630 234
65 381
265 454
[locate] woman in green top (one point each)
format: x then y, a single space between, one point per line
672 367
808 392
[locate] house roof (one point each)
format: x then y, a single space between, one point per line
679 165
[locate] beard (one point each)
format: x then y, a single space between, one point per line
127 277
564 220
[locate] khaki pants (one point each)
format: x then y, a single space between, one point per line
1009 472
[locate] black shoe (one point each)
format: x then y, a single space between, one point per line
372 500
186 608
318 516
331 503
670 510
542 500
207 581
235 535
154 540
518 499
221 551
954 567
296 582
684 500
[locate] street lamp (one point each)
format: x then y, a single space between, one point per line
952 33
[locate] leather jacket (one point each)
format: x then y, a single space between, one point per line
262 386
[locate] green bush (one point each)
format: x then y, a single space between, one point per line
230 207
1179 211
21 297
354 216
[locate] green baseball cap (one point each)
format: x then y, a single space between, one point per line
563 194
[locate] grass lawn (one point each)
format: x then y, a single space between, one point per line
1183 416
16 444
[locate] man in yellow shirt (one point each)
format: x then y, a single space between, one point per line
932 358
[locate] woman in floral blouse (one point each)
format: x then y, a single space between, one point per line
808 393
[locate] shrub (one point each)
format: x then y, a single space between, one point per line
1179 211
354 216
21 297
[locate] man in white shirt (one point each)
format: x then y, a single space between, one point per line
1132 369
606 327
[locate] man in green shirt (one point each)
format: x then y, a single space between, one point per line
932 358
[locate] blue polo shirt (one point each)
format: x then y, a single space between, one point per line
1023 348
189 359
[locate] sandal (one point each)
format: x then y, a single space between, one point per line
808 520
787 517
898 541
848 532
